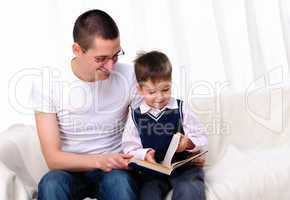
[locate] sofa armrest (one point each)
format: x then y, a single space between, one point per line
20 153
11 187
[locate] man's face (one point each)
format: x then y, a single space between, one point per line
101 57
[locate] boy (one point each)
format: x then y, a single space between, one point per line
154 122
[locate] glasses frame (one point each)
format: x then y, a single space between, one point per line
105 59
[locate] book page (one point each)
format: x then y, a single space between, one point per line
182 162
171 150
145 166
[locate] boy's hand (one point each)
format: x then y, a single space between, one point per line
199 162
184 144
150 156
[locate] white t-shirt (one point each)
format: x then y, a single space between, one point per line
91 115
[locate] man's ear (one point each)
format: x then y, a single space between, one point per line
77 50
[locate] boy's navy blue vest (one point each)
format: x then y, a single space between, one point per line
156 131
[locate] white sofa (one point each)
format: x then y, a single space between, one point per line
249 148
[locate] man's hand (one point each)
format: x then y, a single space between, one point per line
184 144
107 162
150 156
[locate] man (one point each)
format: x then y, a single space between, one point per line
80 118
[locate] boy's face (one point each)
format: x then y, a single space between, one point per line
100 59
156 94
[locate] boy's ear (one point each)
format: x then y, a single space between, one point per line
139 88
77 50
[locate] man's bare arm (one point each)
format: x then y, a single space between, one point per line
49 136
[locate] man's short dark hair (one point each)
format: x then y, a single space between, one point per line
91 24
153 66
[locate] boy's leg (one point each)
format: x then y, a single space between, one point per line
64 185
154 188
118 184
188 183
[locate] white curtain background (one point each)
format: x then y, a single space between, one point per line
211 43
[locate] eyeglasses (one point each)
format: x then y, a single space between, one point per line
105 59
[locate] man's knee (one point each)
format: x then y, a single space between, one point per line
55 182
119 183
118 178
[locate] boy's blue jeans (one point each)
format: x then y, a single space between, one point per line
64 185
187 183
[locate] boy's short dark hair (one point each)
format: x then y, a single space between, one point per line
91 24
152 66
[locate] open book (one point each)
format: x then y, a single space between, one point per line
168 165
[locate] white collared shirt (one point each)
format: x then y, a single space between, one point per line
193 129
144 108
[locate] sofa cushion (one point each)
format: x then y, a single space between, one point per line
252 175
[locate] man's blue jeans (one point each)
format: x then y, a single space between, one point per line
64 185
